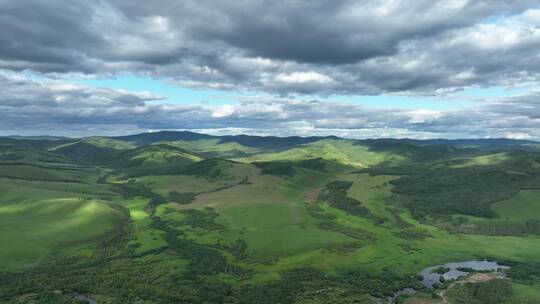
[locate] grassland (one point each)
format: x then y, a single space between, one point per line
214 148
522 207
344 152
31 231
253 233
39 218
145 238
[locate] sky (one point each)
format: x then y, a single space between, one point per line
359 69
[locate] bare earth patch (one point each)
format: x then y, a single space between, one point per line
481 277
311 195
473 278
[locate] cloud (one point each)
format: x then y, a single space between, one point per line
290 47
223 111
421 116
284 52
44 106
303 77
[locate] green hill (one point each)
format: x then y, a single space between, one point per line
181 217
360 154
155 137
156 155
215 147
18 151
91 151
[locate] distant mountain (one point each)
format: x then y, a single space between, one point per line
485 144
154 137
272 142
280 143
262 142
244 145
86 152
38 137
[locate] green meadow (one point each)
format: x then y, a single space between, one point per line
524 206
218 221
39 218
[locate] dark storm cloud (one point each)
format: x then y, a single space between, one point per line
337 32
45 35
304 47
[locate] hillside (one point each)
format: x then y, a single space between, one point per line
180 217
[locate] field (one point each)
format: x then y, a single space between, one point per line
522 207
328 221
39 218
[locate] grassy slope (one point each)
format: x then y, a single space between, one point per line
163 184
146 238
160 156
214 148
33 230
341 151
524 294
522 207
17 152
441 247
268 212
154 155
514 216
47 208
263 213
30 171
100 142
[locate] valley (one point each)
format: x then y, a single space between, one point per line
180 217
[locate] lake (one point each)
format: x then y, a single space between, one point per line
430 278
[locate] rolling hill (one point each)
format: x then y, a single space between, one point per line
181 217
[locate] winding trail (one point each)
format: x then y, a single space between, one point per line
474 278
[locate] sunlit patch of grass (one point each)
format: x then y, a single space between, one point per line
36 229
343 152
524 206
145 237
484 160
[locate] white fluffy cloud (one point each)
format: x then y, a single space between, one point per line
303 77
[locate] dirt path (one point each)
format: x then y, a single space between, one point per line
474 278
311 195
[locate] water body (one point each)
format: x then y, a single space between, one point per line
430 278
